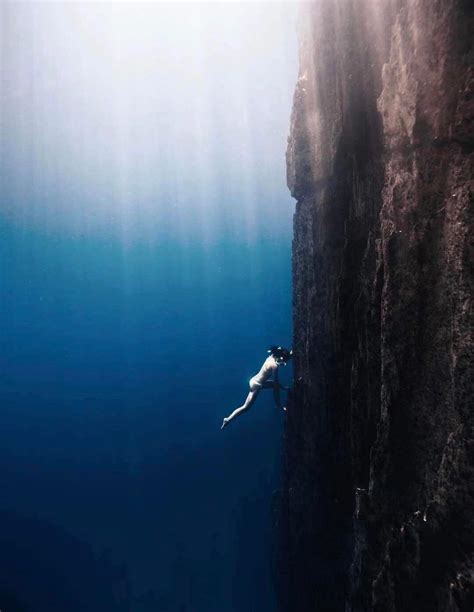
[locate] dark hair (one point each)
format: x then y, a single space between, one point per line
280 353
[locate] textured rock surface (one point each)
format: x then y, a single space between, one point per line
377 508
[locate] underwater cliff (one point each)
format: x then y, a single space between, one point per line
377 507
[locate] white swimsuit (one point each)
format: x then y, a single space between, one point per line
256 382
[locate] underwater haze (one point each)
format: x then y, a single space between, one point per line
145 268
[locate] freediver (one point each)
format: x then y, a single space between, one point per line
278 356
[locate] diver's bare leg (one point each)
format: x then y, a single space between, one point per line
248 403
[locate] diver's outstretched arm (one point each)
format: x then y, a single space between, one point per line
276 394
246 406
276 386
270 384
276 390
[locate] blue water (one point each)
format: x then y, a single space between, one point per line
141 283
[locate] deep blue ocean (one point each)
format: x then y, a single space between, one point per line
145 268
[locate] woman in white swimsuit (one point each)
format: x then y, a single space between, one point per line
278 356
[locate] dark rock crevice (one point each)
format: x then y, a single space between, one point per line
377 508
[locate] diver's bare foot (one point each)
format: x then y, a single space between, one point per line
225 422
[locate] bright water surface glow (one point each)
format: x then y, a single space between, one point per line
145 261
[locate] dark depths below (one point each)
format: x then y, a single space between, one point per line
377 507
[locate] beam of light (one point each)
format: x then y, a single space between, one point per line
143 118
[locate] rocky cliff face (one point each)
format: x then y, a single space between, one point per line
377 508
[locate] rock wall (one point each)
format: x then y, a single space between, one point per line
377 507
